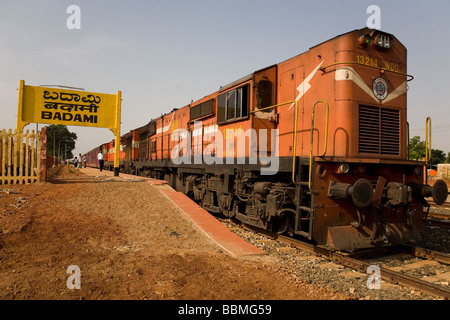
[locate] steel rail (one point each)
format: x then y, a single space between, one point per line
361 266
393 276
440 257
385 273
437 222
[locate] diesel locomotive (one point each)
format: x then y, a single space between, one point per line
314 146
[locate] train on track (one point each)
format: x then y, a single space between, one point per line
314 146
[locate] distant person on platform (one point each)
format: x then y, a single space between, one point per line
84 160
80 161
100 160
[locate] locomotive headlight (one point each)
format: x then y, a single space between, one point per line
383 41
417 171
344 168
365 40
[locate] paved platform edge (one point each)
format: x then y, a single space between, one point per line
215 230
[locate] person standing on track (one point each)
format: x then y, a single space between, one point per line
100 160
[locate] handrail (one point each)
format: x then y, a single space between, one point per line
295 140
274 106
407 140
382 70
312 134
427 145
295 129
428 139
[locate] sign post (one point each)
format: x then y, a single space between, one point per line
116 131
70 107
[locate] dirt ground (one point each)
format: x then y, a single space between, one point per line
129 242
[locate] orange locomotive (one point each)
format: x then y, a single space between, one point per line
328 126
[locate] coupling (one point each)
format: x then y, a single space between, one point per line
361 192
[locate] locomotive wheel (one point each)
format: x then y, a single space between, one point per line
281 225
224 204
227 213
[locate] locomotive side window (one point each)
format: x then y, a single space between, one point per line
152 128
265 95
242 105
201 110
221 107
233 104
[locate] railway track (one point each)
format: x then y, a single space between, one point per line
394 274
438 215
420 270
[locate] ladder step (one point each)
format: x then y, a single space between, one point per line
303 233
308 209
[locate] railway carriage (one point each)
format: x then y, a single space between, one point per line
314 146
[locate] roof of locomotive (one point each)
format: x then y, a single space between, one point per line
359 31
367 30
249 76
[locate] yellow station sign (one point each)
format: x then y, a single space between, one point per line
70 107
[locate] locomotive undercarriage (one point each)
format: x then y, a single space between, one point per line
370 202
263 204
239 191
367 205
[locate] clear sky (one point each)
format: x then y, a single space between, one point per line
164 53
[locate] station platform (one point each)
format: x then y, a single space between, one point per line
209 225
93 172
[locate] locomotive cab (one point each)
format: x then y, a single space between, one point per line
365 192
354 187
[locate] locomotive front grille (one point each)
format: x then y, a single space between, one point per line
379 130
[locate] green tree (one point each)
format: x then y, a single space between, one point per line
417 152
60 141
416 148
437 156
447 159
